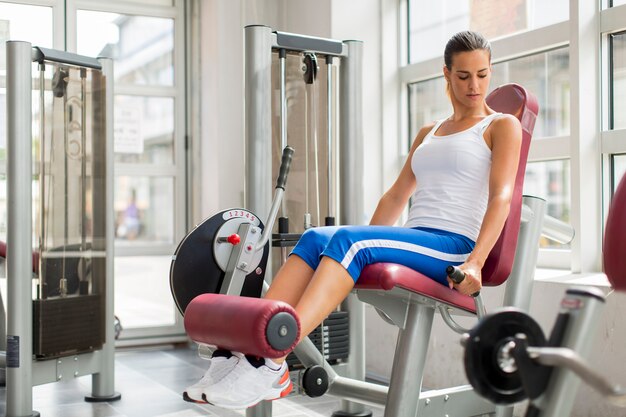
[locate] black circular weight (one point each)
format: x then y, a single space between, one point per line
282 331
315 381
194 270
489 365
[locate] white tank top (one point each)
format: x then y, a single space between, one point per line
452 174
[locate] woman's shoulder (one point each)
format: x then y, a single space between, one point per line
505 121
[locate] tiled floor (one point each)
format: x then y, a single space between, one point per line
151 382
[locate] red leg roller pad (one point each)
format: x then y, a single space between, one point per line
254 326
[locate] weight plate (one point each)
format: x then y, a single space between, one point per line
194 269
489 367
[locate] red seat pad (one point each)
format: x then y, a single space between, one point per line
236 323
386 276
615 239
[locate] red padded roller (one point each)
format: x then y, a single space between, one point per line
615 239
254 326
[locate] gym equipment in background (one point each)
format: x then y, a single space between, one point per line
65 328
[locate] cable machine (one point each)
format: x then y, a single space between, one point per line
283 78
60 321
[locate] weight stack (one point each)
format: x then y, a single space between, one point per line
68 325
331 338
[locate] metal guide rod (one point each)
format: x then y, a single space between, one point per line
282 56
42 170
19 395
329 126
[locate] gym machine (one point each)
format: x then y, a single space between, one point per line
234 269
508 358
60 321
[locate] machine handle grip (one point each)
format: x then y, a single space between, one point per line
457 276
285 164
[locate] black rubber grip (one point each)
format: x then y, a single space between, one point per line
285 164
457 276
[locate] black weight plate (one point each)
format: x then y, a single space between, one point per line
195 271
481 354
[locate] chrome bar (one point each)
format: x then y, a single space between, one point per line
103 383
351 136
568 358
258 129
584 306
553 228
19 385
519 286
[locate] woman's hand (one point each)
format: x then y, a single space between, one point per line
473 279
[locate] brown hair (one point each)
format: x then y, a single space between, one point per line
465 41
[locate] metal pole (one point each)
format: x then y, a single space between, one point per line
329 148
351 186
519 286
19 394
584 306
103 383
351 135
258 136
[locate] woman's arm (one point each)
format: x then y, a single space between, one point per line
393 202
505 134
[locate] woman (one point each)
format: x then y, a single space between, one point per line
460 171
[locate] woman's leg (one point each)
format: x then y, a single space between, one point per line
294 276
290 281
329 286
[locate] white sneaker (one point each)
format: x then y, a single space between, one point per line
248 385
219 367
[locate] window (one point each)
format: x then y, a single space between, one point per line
27 23
431 23
618 78
149 199
546 75
618 169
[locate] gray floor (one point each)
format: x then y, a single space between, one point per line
151 383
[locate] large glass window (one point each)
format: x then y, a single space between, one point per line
546 75
19 22
149 171
431 23
618 77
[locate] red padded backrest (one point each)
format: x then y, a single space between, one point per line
512 99
614 239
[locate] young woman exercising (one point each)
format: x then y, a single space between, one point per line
460 172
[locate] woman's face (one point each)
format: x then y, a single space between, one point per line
469 77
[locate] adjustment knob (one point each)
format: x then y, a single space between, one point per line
233 239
